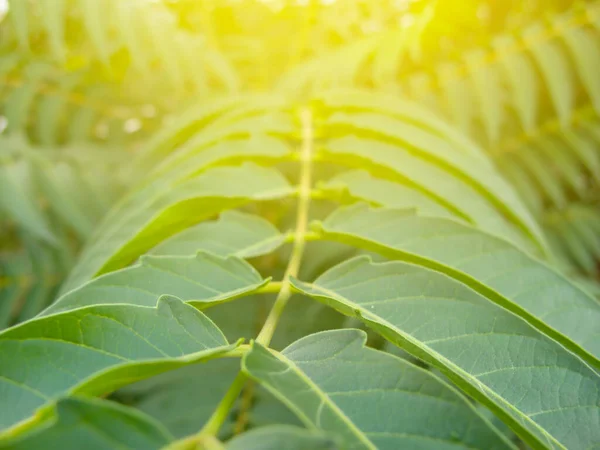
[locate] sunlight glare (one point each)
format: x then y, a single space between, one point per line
3 9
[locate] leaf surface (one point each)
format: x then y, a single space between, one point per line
491 266
545 393
519 72
95 350
201 280
18 201
184 399
366 398
555 69
186 204
100 424
235 233
279 437
430 164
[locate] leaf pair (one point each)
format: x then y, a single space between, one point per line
445 317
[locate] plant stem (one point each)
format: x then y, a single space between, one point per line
204 442
304 197
218 417
270 288
211 428
237 352
245 406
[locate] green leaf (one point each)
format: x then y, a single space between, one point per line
562 165
583 46
39 280
458 182
584 148
184 399
125 14
19 16
50 111
20 101
100 424
545 393
423 144
186 125
348 62
362 185
366 398
536 166
578 249
219 66
235 233
457 96
202 280
388 57
244 318
14 283
522 79
489 94
191 159
199 118
61 184
413 113
159 32
18 200
576 235
277 437
520 179
197 154
53 16
97 349
95 24
490 266
555 69
127 236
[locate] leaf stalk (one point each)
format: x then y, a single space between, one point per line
305 193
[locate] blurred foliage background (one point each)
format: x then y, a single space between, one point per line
85 83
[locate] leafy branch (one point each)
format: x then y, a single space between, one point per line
304 268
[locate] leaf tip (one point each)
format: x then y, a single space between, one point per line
167 305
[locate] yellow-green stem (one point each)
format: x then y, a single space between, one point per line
299 243
204 442
218 418
211 428
237 352
270 288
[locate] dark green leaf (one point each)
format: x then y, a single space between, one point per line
491 266
366 398
97 349
545 393
95 425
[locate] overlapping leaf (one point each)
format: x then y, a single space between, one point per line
429 164
366 398
235 233
201 280
491 266
184 399
100 424
488 352
123 239
97 349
